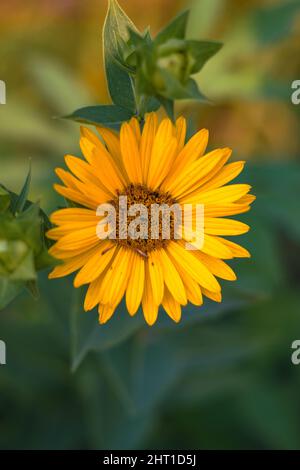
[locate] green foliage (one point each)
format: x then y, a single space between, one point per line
20 201
23 247
142 73
274 23
254 32
175 29
164 66
115 33
109 116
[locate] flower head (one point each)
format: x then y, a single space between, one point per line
148 167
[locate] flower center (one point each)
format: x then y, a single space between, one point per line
145 219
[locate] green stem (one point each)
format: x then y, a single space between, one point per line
140 101
74 312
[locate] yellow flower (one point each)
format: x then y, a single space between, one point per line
152 165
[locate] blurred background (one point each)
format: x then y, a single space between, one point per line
222 378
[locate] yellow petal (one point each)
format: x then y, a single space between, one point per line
214 247
194 175
135 126
71 265
92 297
69 180
105 313
150 308
135 286
77 196
163 167
236 250
112 142
193 292
66 255
180 132
216 266
192 288
172 279
219 226
156 277
163 150
79 239
226 174
58 232
216 210
85 173
172 307
72 214
90 135
103 165
193 149
116 278
147 141
248 199
192 266
224 195
215 296
96 264
130 153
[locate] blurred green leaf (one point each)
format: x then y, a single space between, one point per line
280 207
175 29
33 288
270 413
16 260
203 17
177 91
169 106
110 115
8 291
4 199
57 84
88 335
19 204
23 247
25 125
201 52
119 82
274 23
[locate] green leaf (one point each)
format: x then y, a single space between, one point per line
26 270
152 104
44 260
174 90
20 202
110 115
119 81
12 254
33 288
201 52
274 23
57 84
8 291
4 199
87 335
204 16
175 29
168 106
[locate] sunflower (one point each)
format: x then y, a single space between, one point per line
149 164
